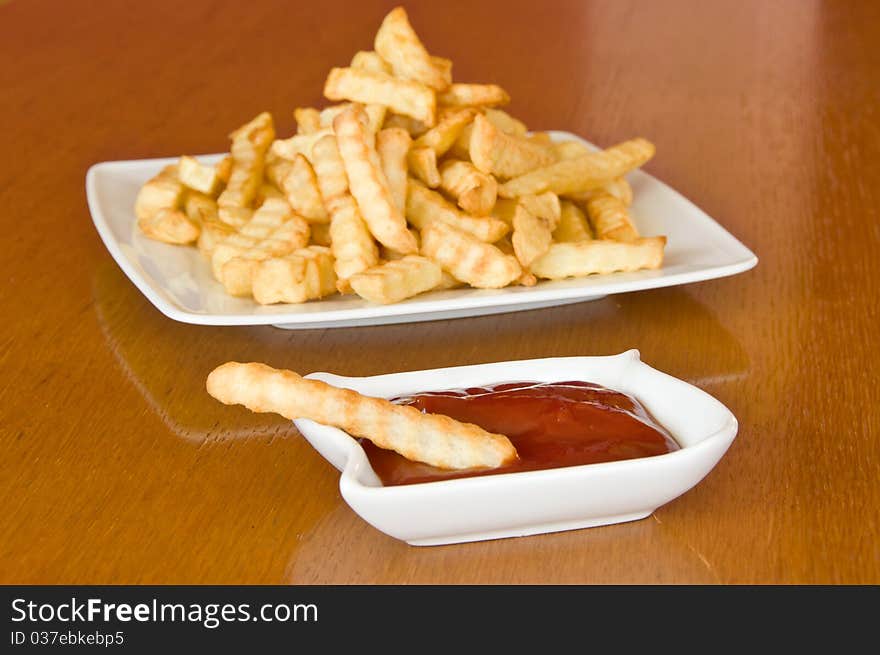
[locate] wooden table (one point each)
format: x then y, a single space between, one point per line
117 467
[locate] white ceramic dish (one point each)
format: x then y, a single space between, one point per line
533 502
179 283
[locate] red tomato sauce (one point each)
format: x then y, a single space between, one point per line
551 425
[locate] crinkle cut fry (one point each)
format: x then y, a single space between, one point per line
431 438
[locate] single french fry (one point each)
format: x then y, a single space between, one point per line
573 225
582 258
369 87
583 173
329 168
199 207
300 186
545 206
353 247
504 155
424 207
304 274
415 127
479 264
308 120
610 218
249 145
369 60
570 149
223 168
234 216
441 137
196 176
443 67
368 184
473 95
430 438
299 144
399 45
397 280
474 190
392 145
271 216
164 191
169 226
531 236
617 187
499 118
423 164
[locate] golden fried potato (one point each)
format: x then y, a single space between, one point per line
369 87
169 226
610 218
234 216
299 144
196 176
435 439
423 165
305 274
392 145
473 95
570 149
573 225
368 184
479 264
424 207
531 236
474 190
583 173
587 257
320 233
441 137
414 127
199 207
397 43
329 168
618 187
370 60
353 247
300 186
504 155
213 232
249 145
164 191
545 206
308 120
397 280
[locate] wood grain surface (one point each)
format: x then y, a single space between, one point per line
117 467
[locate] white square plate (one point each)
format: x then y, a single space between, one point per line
178 281
532 502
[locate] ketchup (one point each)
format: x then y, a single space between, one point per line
550 424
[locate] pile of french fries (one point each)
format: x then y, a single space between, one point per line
409 183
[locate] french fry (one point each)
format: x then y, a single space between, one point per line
212 233
434 439
618 187
369 87
224 169
531 236
443 67
368 184
308 120
249 145
397 280
271 216
583 173
415 127
199 207
305 274
587 257
479 264
164 191
610 219
423 164
353 247
299 144
169 226
234 216
473 95
424 207
541 138
441 137
300 186
329 168
196 176
399 45
265 191
474 190
504 155
570 149
499 118
448 281
392 145
573 225
370 60
545 206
